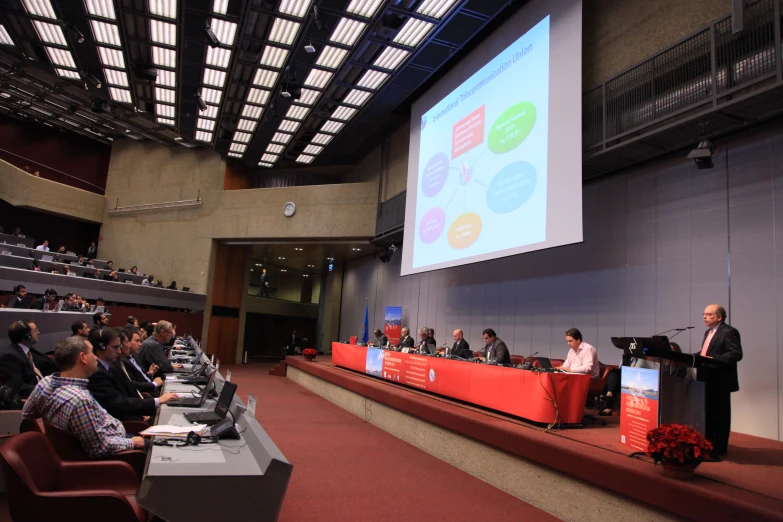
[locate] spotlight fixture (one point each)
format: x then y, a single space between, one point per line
703 154
213 40
202 106
385 258
73 31
319 24
284 91
310 48
89 78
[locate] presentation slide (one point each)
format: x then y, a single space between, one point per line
482 169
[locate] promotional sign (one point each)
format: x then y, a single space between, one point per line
393 324
638 406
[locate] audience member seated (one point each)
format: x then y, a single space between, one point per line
61 250
582 357
93 275
92 250
46 301
81 261
109 265
44 246
100 321
15 301
36 266
90 262
80 328
21 365
112 388
132 322
66 270
134 270
143 382
153 350
64 401
149 281
70 304
111 276
172 286
17 232
55 268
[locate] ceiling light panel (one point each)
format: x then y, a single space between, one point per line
274 148
111 57
297 112
50 33
204 124
269 158
372 79
284 31
67 74
391 58
5 38
40 110
365 8
120 95
413 32
214 77
164 8
343 113
356 97
164 110
101 8
273 56
165 121
288 125
60 57
257 96
106 33
218 57
332 127
297 8
203 136
220 6
211 112
236 147
265 78
164 95
114 77
42 8
167 78
163 32
435 8
212 96
322 139
242 137
252 112
246 125
304 158
347 31
313 149
318 78
308 97
224 30
331 57
234 155
281 137
265 164
164 57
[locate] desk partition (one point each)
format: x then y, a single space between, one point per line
14 240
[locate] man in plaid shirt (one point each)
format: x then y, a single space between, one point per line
64 401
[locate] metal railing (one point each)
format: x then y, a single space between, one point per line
52 169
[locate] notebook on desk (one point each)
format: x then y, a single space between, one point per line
198 401
221 407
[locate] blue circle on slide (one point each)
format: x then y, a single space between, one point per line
511 187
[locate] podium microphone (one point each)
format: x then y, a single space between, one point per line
680 330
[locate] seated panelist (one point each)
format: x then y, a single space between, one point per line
406 341
426 343
380 339
582 357
460 348
494 348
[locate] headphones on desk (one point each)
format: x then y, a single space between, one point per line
193 439
28 334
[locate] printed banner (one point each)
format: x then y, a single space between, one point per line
393 324
638 406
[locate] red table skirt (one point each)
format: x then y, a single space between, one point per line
522 393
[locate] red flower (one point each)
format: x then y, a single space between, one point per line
677 443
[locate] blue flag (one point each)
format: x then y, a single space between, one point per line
366 333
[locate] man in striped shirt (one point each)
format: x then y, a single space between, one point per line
64 401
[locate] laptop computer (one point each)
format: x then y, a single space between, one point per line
221 407
195 402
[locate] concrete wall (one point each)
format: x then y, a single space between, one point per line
175 244
21 189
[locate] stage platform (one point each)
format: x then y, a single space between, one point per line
747 484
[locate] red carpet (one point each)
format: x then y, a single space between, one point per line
348 469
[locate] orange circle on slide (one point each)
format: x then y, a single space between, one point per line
465 230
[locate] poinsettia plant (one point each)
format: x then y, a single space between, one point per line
675 443
309 352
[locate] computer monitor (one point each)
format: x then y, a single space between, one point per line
226 396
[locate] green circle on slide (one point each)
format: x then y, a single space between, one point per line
512 127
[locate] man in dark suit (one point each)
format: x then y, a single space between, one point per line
264 283
406 341
721 343
114 392
42 303
153 350
15 301
426 343
380 340
21 365
129 368
101 322
495 349
92 275
461 348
